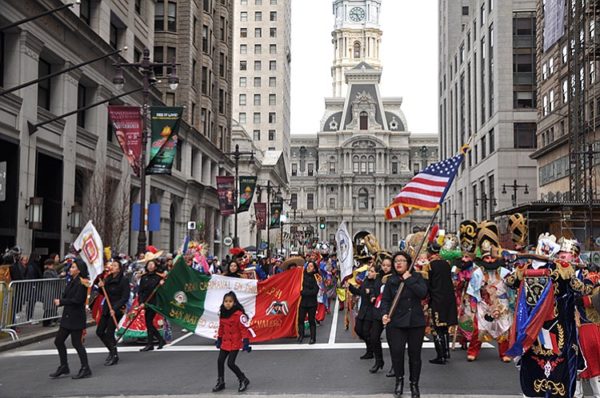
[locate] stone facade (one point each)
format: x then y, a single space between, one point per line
76 160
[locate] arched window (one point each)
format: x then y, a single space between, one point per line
356 49
355 165
371 164
364 121
363 165
363 199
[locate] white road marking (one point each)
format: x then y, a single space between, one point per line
210 348
185 336
333 331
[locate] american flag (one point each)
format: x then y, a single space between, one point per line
427 190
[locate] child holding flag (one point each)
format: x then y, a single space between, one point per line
234 334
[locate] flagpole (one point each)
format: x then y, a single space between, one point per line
412 266
109 305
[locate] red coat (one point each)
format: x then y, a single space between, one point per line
233 330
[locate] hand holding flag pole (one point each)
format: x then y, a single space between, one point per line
110 307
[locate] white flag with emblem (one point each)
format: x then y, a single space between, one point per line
89 244
344 250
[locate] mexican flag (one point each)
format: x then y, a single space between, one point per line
192 300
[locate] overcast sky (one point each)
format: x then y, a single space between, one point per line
409 55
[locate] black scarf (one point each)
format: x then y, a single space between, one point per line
225 313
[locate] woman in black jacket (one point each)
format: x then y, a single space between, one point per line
72 321
150 280
385 272
233 270
117 289
308 303
364 319
407 323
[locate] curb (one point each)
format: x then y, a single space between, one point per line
33 338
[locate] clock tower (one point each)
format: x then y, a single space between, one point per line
356 38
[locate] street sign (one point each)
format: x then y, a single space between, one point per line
2 181
191 225
228 241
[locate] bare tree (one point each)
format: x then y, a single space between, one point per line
106 203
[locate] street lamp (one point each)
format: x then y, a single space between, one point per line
515 187
75 216
146 68
35 213
236 157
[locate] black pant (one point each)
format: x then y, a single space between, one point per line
362 327
375 335
311 311
230 364
76 340
152 332
398 338
106 330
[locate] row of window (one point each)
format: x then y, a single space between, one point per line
258 16
258 33
258 2
257 81
258 99
256 135
258 49
258 65
256 118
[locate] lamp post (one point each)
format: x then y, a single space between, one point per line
515 187
236 157
269 188
456 214
484 200
146 68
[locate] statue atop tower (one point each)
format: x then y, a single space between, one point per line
356 38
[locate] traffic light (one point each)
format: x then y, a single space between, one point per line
322 222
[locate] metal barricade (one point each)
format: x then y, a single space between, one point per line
4 310
32 301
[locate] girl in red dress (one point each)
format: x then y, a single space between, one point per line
234 335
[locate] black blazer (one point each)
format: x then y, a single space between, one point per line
117 289
409 313
366 310
148 283
73 301
310 290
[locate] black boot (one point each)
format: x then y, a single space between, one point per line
313 334
399 387
109 357
391 373
115 358
300 338
378 365
161 342
414 390
148 347
446 340
243 384
62 370
440 350
84 372
220 385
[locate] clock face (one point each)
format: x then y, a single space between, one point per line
357 14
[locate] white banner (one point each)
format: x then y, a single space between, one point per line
91 249
345 252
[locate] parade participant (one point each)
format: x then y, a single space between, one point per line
491 305
544 331
233 270
233 335
116 287
149 282
385 271
442 298
308 303
364 319
72 321
407 323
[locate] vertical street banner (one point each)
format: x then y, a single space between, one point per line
276 209
226 197
192 300
260 210
165 124
345 250
247 187
126 122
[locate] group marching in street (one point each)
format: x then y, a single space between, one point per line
538 304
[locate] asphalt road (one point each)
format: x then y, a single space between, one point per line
188 368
